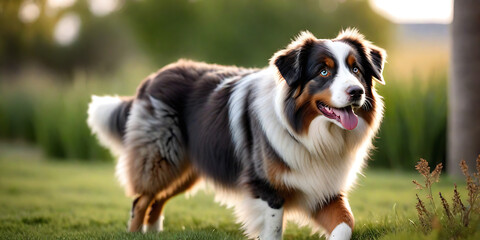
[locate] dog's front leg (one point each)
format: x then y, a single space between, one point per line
273 223
263 212
336 218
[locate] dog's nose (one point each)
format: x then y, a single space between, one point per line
355 92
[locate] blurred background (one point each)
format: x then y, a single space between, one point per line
54 54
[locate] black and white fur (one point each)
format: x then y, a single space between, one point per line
257 135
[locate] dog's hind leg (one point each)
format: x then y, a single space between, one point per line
139 208
154 218
154 160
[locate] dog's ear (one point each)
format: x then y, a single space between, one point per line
290 62
374 57
377 58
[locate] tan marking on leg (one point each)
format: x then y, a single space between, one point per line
334 213
138 212
154 211
156 208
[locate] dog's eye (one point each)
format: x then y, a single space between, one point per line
325 73
355 70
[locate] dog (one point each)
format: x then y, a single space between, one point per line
278 143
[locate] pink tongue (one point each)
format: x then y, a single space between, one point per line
348 119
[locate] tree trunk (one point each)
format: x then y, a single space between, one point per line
464 86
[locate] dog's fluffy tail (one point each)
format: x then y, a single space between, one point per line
107 118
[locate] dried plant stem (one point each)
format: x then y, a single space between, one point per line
458 207
459 216
430 196
446 207
472 188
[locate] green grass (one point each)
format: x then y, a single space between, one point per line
41 198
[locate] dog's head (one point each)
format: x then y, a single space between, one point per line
329 78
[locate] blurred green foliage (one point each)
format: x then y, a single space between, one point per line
245 32
100 46
50 115
414 124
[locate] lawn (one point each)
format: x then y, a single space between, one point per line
44 198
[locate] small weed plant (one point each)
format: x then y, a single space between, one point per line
456 221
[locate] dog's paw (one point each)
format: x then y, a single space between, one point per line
154 227
341 232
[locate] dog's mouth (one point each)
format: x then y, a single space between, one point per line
344 116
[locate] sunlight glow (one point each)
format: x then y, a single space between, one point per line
103 7
28 12
67 29
60 3
415 11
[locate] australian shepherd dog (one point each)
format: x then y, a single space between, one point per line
278 143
